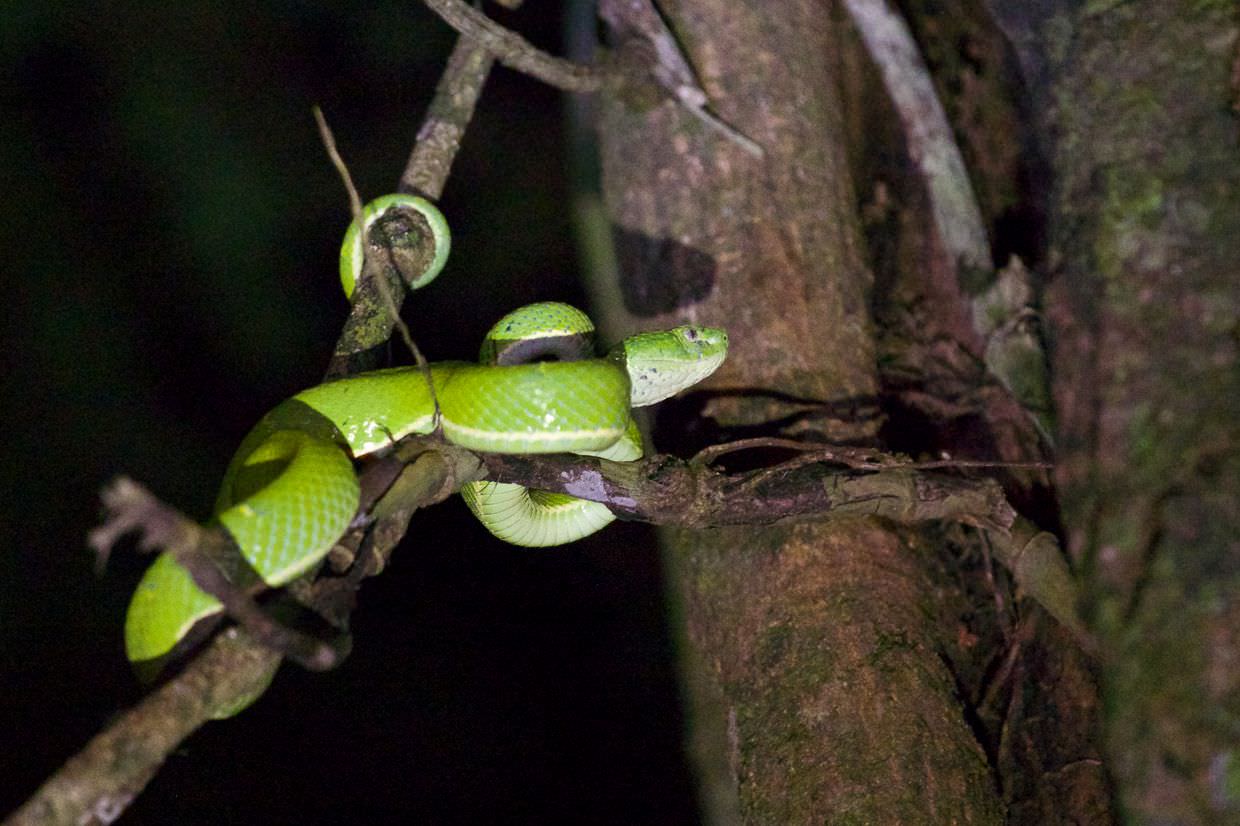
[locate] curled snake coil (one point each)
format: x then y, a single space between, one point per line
290 491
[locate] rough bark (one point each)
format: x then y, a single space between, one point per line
822 642
1146 222
1037 713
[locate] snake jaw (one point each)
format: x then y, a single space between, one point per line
663 363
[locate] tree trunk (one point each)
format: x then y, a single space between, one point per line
846 671
854 671
1141 100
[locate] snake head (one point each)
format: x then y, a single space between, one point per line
663 363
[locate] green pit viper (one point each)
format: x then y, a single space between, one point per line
291 491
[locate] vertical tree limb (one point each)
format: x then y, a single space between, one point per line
821 664
1146 226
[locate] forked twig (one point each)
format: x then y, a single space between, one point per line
514 51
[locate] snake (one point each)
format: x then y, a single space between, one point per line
291 490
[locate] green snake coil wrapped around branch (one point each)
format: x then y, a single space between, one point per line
291 491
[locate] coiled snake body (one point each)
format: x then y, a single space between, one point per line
291 492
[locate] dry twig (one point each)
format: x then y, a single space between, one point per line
514 51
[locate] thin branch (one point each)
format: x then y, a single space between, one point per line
514 51
380 262
708 455
378 274
329 143
446 119
665 490
858 458
372 316
100 781
928 134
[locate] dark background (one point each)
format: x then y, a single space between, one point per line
170 234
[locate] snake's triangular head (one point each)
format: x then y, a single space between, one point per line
662 363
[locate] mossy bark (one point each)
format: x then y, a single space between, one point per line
1146 222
